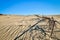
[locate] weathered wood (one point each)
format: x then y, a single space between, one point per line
51 26
29 29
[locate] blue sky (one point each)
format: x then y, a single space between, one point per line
30 7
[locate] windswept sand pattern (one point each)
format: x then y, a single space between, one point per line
12 26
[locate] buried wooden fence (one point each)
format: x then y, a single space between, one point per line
51 26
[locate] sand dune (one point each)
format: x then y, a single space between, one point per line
12 26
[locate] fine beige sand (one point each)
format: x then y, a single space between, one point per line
13 25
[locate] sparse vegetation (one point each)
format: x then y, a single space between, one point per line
1 14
